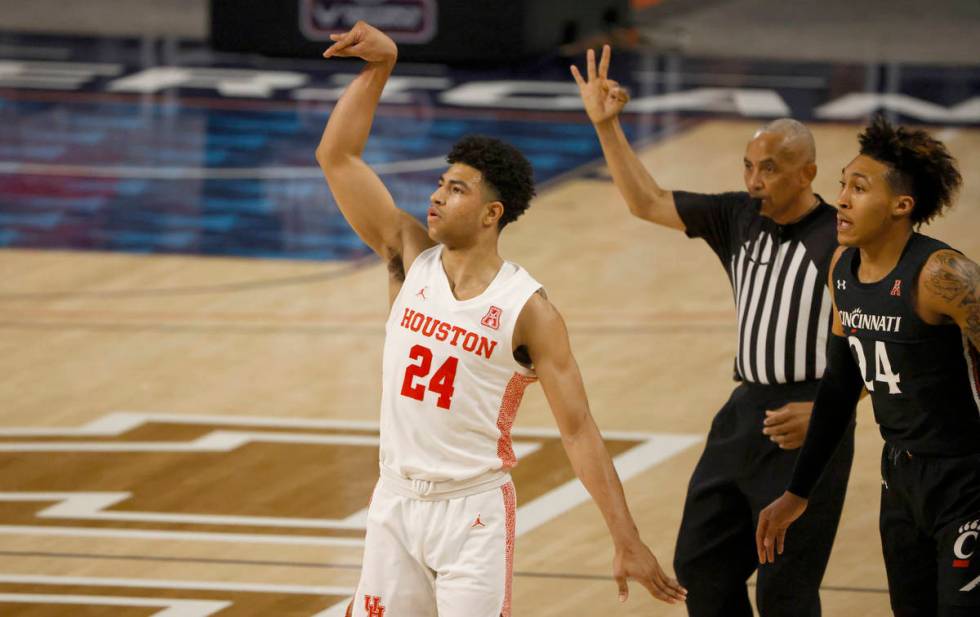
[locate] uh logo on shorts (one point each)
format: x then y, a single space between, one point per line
372 604
965 544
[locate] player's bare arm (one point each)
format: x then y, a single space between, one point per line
950 287
604 100
361 196
541 331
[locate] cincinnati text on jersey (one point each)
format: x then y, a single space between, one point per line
863 321
444 331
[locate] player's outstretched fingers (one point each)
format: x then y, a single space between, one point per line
671 588
577 76
674 589
657 590
341 42
336 47
604 62
590 65
668 589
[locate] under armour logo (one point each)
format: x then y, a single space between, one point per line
841 284
897 288
372 604
492 318
421 292
477 522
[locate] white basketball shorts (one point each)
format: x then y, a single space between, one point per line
429 557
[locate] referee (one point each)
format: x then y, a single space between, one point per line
775 241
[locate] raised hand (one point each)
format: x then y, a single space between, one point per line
604 98
363 41
770 535
637 562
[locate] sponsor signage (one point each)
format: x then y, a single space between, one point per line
405 21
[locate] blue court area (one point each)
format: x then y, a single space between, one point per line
104 146
126 177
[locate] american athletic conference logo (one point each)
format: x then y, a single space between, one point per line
966 544
492 318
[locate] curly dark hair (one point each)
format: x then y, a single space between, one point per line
919 165
503 167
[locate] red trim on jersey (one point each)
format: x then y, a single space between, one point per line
513 394
510 522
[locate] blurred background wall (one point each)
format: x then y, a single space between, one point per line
840 30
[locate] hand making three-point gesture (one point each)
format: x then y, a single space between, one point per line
604 98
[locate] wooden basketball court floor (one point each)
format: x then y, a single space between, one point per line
197 435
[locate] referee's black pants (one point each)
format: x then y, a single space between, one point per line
741 472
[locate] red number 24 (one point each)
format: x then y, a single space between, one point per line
441 382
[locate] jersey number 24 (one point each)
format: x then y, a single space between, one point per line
441 382
883 366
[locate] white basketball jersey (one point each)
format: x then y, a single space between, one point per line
451 385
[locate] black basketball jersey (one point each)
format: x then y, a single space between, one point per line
922 378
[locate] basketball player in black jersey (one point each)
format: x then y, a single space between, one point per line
907 329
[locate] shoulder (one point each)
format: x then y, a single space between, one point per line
818 233
537 310
736 199
948 274
949 289
538 320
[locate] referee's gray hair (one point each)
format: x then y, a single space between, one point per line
795 137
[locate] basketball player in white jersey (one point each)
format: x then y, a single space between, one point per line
467 332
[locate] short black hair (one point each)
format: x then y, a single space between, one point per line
504 168
919 165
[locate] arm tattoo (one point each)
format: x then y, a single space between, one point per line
957 281
971 306
950 278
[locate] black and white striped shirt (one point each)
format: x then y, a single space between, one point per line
779 279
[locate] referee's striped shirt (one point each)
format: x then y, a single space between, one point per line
779 280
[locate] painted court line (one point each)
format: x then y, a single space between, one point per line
151 583
169 536
119 422
171 607
572 494
652 449
91 506
215 441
